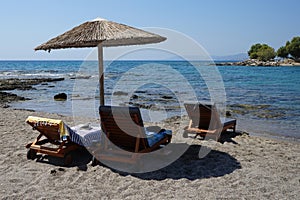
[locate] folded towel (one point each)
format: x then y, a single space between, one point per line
40 121
83 134
153 137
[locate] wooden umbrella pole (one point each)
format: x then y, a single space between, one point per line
101 73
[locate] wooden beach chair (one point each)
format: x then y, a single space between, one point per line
204 119
126 139
52 139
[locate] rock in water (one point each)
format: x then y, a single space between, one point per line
60 97
134 96
167 97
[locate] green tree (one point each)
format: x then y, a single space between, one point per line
261 52
293 48
282 52
252 53
266 53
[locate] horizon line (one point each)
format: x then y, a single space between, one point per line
116 60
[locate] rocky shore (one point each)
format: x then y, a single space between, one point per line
24 84
20 84
140 99
254 62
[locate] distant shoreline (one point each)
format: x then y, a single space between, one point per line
249 62
254 62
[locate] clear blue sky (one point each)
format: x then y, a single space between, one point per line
222 27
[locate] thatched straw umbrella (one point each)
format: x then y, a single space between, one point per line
100 33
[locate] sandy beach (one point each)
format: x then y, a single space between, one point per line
67 61
244 167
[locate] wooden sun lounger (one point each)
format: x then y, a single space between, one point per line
125 139
49 140
204 119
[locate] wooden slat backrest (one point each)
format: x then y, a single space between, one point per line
203 115
50 132
124 127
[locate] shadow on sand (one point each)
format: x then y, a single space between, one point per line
190 166
81 158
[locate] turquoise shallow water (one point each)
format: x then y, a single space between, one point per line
266 100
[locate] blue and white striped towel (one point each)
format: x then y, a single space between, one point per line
85 134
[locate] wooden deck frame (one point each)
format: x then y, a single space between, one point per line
52 136
118 146
205 120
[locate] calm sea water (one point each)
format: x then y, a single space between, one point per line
265 100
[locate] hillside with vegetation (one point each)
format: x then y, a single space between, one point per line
264 52
265 55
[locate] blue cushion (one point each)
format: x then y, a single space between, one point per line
153 137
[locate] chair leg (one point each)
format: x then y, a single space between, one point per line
31 154
95 162
185 134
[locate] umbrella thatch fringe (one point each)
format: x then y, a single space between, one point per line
91 33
